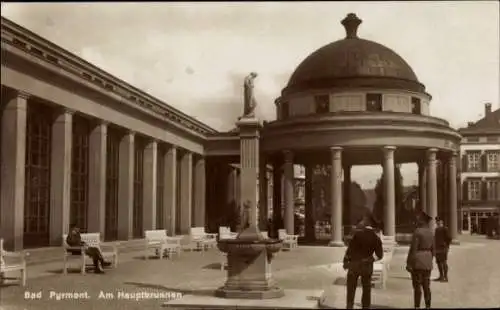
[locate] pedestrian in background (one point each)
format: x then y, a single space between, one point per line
442 241
358 261
419 260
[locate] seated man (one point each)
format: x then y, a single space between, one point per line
75 240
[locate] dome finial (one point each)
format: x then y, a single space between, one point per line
351 24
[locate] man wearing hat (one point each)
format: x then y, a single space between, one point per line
419 260
442 241
359 261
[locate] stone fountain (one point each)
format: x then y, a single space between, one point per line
249 256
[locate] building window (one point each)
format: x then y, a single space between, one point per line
374 102
493 161
112 176
474 189
473 139
285 112
322 103
79 172
416 106
493 189
492 139
160 213
138 186
473 161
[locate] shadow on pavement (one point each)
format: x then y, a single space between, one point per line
213 266
203 292
372 306
88 268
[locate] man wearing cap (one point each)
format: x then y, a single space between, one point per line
419 260
442 241
359 261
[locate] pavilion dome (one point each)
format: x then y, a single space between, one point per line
353 62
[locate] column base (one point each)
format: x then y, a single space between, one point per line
455 242
337 244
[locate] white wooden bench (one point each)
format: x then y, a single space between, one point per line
12 261
156 240
91 240
289 241
202 239
226 233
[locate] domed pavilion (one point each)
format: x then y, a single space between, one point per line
356 102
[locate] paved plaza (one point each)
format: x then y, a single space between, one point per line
474 279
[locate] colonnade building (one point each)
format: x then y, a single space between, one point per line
80 145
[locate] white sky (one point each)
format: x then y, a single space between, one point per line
194 55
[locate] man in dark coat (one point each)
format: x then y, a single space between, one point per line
74 240
442 241
359 261
419 260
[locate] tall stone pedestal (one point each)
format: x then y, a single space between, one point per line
249 255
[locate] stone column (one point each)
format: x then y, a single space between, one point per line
97 179
432 186
60 176
200 192
186 196
12 173
149 185
263 194
389 190
170 190
249 166
452 179
422 185
336 197
289 192
126 186
310 221
347 200
277 197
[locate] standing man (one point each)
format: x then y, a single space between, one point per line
442 241
359 261
419 260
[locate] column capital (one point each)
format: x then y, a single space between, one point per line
288 156
389 148
431 154
336 148
389 152
23 94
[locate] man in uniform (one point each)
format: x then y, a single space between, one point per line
442 241
359 261
419 260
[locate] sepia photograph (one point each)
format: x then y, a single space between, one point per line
250 155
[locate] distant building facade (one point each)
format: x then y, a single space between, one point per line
480 173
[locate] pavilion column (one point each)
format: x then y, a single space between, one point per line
12 173
453 212
310 221
277 198
263 194
200 193
422 185
336 197
150 185
60 176
126 186
288 192
347 199
97 178
432 186
170 190
186 196
389 190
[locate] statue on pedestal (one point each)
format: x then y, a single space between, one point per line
249 100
